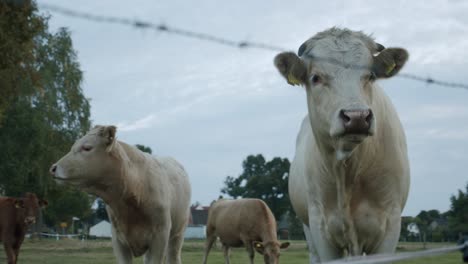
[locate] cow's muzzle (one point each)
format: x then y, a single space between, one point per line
356 121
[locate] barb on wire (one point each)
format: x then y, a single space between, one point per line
211 38
159 27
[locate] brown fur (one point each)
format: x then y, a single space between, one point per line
243 222
15 216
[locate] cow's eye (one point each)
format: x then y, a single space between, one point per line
86 147
315 79
371 77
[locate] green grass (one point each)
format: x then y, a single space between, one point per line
100 252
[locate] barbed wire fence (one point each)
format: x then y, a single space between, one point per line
162 27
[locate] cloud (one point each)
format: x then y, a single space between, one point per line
141 123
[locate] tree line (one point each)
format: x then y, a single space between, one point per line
268 180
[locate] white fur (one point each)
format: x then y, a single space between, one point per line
148 197
349 194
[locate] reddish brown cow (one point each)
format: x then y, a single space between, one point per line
15 216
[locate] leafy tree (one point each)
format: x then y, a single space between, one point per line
458 213
19 27
46 111
405 222
144 148
423 220
263 180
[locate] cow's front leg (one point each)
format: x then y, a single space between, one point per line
122 252
325 250
17 245
250 250
391 235
158 247
227 253
313 256
10 253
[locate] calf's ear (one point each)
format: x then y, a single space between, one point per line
285 245
43 203
19 203
258 247
389 62
108 133
292 68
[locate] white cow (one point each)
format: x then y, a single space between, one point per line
148 198
349 180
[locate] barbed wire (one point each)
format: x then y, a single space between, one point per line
161 27
387 258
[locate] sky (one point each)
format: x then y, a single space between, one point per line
210 106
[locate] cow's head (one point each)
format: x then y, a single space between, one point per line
338 68
270 250
29 206
90 159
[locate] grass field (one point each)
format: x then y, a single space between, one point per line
100 252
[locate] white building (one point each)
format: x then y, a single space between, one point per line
101 229
195 232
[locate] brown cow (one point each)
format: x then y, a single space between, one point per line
243 222
15 216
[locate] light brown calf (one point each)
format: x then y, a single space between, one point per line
243 222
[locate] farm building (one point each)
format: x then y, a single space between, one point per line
101 229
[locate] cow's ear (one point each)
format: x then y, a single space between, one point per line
389 62
285 245
19 203
43 203
259 247
292 68
108 133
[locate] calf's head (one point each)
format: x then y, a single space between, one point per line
338 67
270 250
29 207
91 159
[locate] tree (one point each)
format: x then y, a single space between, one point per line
405 222
46 112
263 180
19 27
458 213
423 220
144 148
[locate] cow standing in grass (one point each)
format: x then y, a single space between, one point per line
16 214
349 180
245 223
147 197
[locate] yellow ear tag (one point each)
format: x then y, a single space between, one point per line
17 205
258 245
390 68
292 80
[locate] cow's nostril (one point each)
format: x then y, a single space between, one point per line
369 117
53 169
344 117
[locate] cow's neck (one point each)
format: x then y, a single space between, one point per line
122 188
127 213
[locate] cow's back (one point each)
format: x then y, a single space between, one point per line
230 219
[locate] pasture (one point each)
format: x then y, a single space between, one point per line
100 252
